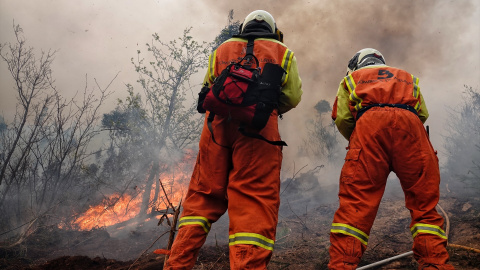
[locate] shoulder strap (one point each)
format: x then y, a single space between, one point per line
249 53
250 43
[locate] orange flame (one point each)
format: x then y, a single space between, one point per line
112 210
117 208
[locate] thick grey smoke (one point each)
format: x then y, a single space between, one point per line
437 41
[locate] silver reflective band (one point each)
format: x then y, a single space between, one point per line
195 220
251 239
287 59
349 230
427 228
415 86
353 96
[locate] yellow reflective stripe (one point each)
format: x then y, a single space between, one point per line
211 66
416 92
251 239
235 39
416 88
427 228
350 82
286 62
195 220
349 230
417 106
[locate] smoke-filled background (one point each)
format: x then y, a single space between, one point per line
437 41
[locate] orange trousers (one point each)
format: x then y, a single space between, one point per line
243 179
385 140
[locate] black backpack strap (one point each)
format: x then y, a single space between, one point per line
242 130
250 43
211 115
249 55
249 52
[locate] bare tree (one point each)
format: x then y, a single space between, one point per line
44 150
32 78
158 128
462 142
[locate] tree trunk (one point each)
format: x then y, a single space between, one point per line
148 188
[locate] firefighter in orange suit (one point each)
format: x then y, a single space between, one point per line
243 178
381 111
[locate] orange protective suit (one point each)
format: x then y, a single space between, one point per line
385 138
243 177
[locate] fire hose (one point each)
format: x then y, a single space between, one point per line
385 261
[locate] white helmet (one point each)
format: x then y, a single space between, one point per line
259 16
365 57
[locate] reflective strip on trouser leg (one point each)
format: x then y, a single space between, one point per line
349 230
195 220
251 239
427 228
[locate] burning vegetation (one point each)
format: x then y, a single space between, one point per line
119 208
65 206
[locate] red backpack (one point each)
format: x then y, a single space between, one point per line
244 93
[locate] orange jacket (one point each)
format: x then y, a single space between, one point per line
372 85
267 50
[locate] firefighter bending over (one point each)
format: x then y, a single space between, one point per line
381 111
234 172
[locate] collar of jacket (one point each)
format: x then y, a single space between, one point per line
255 35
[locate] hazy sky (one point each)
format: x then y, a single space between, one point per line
436 40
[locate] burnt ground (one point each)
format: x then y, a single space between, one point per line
302 241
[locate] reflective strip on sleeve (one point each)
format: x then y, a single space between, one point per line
195 220
416 88
417 106
351 88
427 228
211 66
286 62
349 230
416 92
251 239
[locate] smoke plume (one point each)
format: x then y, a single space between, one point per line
435 40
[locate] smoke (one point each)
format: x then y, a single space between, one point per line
436 41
